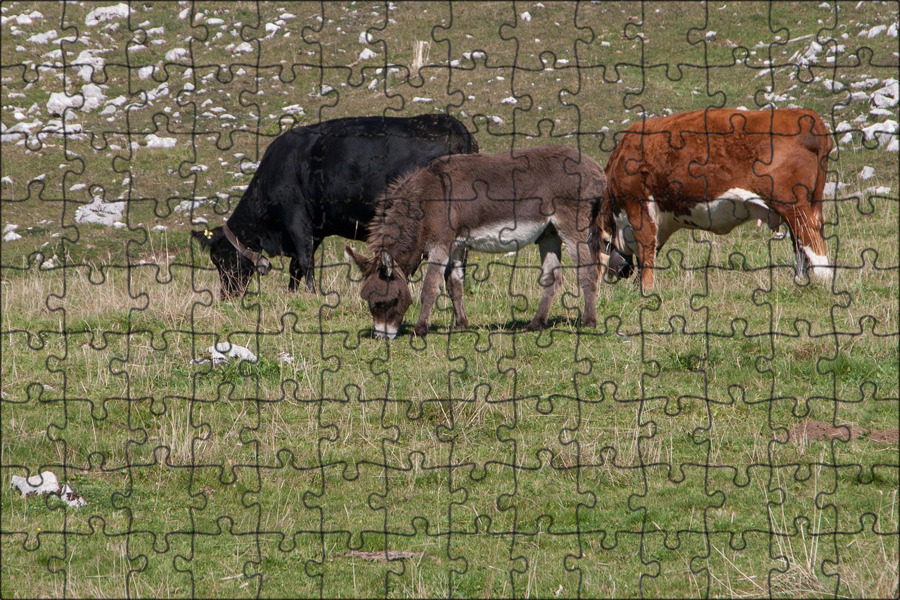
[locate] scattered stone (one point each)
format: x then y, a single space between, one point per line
100 212
106 13
45 483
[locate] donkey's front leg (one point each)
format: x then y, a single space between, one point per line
431 287
454 275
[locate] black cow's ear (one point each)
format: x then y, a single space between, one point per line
204 237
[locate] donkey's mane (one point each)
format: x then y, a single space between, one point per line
395 228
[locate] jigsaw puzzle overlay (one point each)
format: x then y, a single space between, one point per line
726 429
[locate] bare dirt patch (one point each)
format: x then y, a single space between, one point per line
885 436
815 430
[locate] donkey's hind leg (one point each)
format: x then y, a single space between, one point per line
584 255
551 279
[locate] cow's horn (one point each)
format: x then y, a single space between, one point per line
263 265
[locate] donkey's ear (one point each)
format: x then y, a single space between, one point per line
358 259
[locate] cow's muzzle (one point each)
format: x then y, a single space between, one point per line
618 265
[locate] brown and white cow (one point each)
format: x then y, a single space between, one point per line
547 195
715 169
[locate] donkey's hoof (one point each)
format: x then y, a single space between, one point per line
534 326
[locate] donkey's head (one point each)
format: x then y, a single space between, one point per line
385 289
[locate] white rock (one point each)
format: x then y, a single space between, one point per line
93 97
60 101
188 205
832 85
45 483
222 351
865 84
175 53
885 132
525 16
366 38
100 212
866 173
106 13
422 100
888 96
77 186
243 47
70 497
184 14
7 179
11 236
214 21
89 64
880 190
509 100
145 72
877 30
366 54
154 141
43 38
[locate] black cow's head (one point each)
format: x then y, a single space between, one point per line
386 291
235 271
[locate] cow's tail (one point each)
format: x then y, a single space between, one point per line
825 146
816 255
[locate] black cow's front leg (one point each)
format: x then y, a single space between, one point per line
296 272
302 264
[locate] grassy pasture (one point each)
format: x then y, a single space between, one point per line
649 456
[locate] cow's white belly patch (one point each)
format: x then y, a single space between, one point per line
502 237
721 215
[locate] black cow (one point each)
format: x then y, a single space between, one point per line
321 180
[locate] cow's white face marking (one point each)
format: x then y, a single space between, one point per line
624 234
819 267
501 237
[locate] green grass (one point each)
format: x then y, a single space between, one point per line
648 456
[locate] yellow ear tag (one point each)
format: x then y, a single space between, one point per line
208 234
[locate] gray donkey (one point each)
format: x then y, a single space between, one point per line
547 195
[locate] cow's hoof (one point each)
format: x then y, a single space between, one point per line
592 323
420 331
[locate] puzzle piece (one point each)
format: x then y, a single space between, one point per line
730 431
